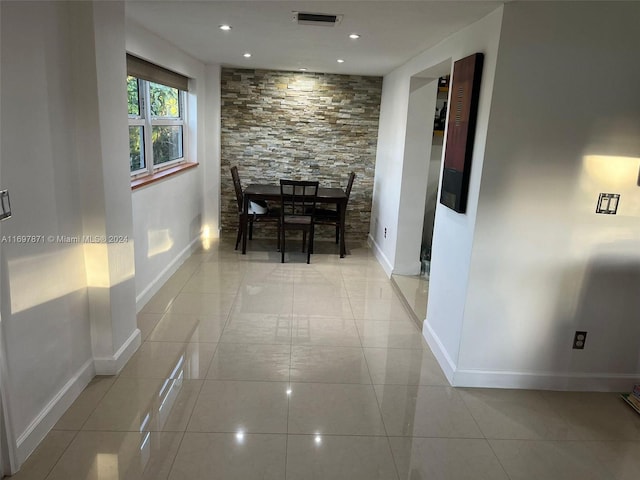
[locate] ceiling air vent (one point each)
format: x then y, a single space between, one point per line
324 19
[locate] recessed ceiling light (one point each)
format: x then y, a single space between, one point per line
247 55
354 36
303 69
340 60
226 28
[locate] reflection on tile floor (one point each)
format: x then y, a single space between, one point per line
251 369
415 290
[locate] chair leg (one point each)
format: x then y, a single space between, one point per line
251 227
278 246
310 247
239 236
282 246
337 233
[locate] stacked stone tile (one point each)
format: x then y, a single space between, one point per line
303 126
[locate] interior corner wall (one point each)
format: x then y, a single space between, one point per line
211 170
168 215
453 232
564 128
300 125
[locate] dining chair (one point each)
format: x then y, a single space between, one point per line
326 216
297 207
256 213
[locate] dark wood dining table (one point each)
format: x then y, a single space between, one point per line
258 191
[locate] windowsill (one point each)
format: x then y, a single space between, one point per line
161 175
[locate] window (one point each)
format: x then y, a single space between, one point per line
157 133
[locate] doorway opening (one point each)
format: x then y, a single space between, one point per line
422 168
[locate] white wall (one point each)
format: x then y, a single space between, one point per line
45 311
103 178
418 137
544 264
68 308
453 233
169 215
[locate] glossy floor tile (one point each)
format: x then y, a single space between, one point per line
551 460
118 456
339 409
339 458
514 414
386 334
446 458
327 331
398 366
415 290
138 404
417 411
85 404
175 327
253 369
42 461
230 457
252 362
170 360
324 364
231 406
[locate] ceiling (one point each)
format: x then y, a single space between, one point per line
391 32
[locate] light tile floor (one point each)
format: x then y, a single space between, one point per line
252 369
415 290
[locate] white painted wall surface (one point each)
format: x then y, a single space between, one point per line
45 315
453 233
415 165
544 264
168 215
102 150
167 219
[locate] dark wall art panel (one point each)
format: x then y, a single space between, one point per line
461 127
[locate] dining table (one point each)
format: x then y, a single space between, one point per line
269 192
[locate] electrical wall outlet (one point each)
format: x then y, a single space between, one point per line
579 340
385 232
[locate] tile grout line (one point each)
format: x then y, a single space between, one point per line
186 427
58 459
384 425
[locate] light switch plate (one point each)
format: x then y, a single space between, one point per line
608 203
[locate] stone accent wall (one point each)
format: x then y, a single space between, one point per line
302 126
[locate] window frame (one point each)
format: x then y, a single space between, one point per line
148 121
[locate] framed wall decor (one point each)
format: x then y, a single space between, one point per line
461 126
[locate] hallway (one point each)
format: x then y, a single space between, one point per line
253 369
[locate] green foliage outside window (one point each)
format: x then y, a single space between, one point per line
167 140
164 101
132 95
136 141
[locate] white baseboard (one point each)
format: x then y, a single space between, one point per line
380 256
446 363
51 413
113 364
151 289
579 382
